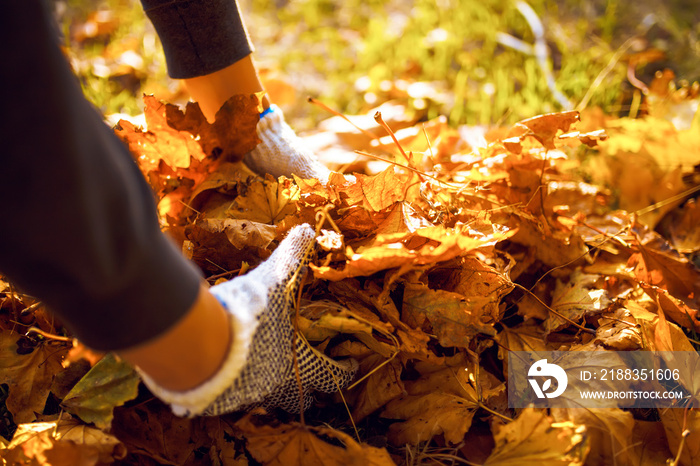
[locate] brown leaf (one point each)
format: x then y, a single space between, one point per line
576 299
609 433
240 233
477 279
655 263
153 431
675 422
62 443
378 192
383 385
160 141
28 371
618 331
534 439
295 444
441 403
453 318
673 308
685 234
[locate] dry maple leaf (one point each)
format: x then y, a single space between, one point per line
576 299
63 442
29 373
265 201
454 318
655 263
295 444
439 403
534 439
609 433
424 246
174 136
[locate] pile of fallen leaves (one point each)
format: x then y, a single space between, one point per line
430 269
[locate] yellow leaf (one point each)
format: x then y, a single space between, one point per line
62 443
265 201
424 246
28 371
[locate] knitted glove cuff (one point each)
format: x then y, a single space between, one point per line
281 151
195 401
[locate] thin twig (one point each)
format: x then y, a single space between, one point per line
378 118
556 313
49 336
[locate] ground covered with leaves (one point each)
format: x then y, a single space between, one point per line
574 231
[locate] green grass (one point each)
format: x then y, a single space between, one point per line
325 47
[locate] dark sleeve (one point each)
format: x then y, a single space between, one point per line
199 36
78 227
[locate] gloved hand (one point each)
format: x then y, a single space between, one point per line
260 367
281 151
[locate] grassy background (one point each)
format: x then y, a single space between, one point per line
439 56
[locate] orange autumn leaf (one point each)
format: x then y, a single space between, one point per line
545 127
424 246
174 136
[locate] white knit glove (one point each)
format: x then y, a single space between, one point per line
260 369
281 151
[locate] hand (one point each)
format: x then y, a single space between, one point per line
260 368
282 152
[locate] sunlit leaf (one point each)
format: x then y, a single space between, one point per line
110 383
